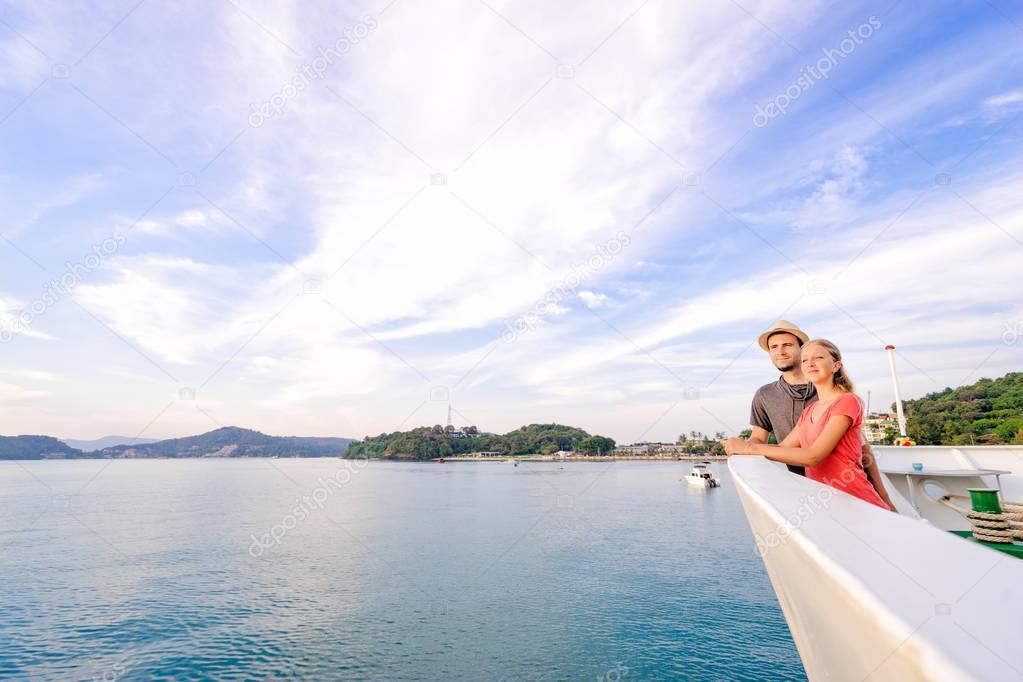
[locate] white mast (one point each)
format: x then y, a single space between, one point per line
898 393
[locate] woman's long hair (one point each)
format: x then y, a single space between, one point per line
842 380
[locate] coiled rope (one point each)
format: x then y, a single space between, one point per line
1004 527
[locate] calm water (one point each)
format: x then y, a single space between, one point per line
131 570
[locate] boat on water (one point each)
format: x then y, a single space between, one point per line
870 594
702 477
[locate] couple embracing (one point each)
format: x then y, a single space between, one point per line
814 415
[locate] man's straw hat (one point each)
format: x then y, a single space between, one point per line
783 326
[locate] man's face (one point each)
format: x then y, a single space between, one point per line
784 351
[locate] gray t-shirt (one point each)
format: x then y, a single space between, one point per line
777 406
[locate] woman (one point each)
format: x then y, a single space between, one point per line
826 439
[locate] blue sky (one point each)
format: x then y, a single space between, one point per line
312 220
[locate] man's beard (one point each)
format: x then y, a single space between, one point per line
786 368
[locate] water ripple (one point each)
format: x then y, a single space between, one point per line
409 572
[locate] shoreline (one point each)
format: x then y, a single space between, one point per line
594 458
500 460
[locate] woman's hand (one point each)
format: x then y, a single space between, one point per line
736 446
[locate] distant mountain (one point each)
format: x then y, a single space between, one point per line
36 447
231 441
106 442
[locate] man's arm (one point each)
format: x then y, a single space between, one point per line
759 420
759 435
874 474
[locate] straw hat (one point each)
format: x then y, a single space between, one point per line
783 326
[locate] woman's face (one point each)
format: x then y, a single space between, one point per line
817 363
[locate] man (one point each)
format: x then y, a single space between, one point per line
776 406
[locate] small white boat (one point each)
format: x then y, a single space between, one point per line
702 477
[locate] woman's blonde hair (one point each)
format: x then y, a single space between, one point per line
842 380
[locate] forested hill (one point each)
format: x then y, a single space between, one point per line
231 441
224 442
36 447
428 442
989 412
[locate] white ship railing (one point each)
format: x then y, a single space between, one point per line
869 594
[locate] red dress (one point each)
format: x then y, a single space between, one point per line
843 468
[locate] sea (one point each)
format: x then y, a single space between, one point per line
332 569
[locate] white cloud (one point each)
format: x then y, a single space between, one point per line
1006 98
16 321
593 300
458 256
71 191
175 308
833 197
188 222
14 393
32 374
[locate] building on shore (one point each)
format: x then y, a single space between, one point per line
668 449
634 450
878 426
652 449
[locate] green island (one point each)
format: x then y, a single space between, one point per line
439 441
988 412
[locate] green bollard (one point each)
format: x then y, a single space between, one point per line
985 500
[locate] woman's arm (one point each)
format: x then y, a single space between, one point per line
740 446
788 451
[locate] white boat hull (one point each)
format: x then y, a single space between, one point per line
869 594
